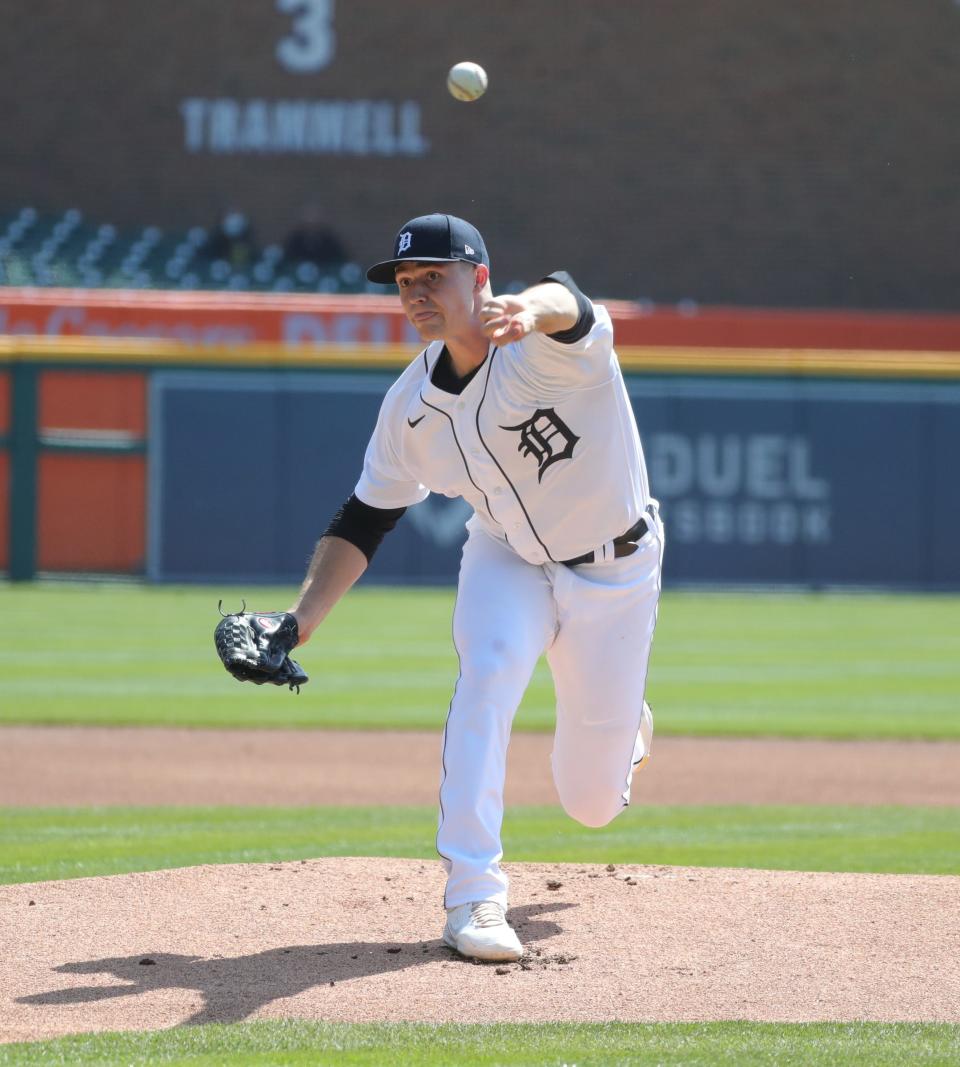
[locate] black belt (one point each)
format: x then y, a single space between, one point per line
626 541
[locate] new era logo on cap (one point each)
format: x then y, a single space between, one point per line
432 239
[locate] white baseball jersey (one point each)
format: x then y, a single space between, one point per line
542 443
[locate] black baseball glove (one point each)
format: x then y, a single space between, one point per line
255 647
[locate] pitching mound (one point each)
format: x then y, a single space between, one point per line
357 940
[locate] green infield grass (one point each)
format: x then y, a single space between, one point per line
727 1044
793 664
37 844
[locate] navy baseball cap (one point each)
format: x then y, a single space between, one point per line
432 239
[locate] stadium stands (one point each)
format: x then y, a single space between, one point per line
69 250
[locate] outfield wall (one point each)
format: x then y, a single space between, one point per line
825 464
780 480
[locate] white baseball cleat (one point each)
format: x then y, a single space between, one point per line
480 930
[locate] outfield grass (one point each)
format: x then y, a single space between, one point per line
730 1044
41 844
793 665
827 665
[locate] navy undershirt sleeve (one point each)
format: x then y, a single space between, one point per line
584 323
363 525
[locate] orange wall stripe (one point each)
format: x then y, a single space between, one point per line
93 400
91 513
366 318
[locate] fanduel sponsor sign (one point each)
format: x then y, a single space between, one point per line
741 488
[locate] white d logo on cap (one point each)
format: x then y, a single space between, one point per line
406 239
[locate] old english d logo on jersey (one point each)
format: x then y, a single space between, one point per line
546 437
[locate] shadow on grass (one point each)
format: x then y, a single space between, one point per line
234 988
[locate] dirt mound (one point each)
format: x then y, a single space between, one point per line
358 940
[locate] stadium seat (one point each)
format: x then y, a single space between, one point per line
68 250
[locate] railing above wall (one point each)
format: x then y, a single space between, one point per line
653 359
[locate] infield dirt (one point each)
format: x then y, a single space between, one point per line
357 940
352 940
98 765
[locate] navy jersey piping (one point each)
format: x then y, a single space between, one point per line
463 458
443 753
495 460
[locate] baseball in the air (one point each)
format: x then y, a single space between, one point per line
467 81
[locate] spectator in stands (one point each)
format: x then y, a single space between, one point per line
232 240
313 240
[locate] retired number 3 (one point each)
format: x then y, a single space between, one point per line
312 44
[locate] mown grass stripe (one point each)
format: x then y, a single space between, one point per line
721 1044
735 664
43 844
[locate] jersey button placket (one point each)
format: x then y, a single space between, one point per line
507 512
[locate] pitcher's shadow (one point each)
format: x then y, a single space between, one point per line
233 988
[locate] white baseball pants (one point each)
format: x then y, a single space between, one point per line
596 624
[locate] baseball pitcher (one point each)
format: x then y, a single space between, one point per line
517 404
